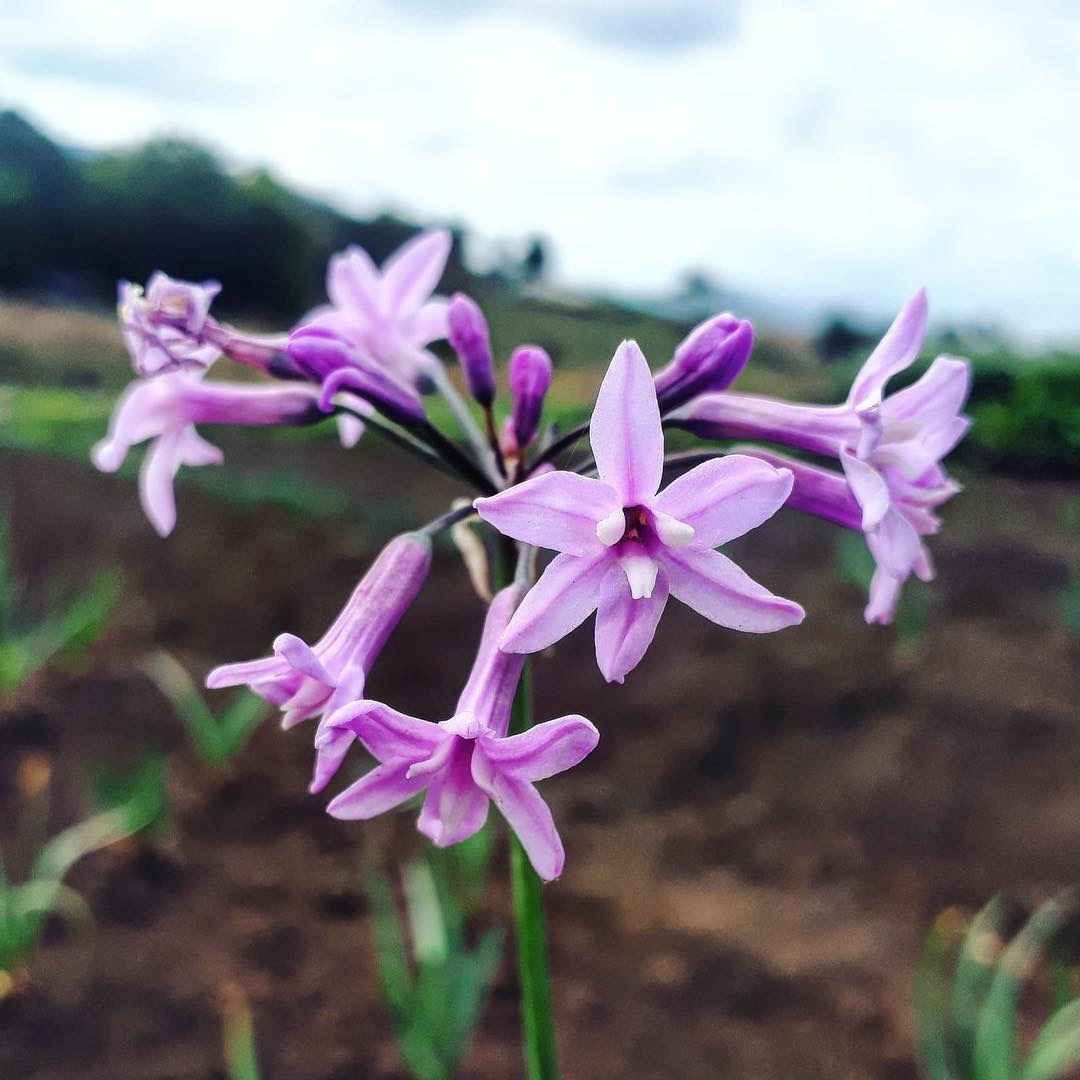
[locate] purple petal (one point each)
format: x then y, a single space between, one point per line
353 282
156 482
884 593
528 815
350 428
193 449
412 272
455 807
330 752
564 597
558 510
542 751
429 324
869 488
388 735
725 498
895 544
625 627
936 398
300 656
627 440
380 790
715 587
896 351
246 672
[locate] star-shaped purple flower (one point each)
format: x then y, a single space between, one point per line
467 762
625 546
390 316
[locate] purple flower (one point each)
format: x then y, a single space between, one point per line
306 681
468 333
325 357
890 448
709 359
166 410
163 326
467 762
530 377
390 316
624 546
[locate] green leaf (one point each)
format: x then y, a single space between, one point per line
931 1000
1057 1046
995 1055
981 948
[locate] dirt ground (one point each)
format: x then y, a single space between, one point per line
755 850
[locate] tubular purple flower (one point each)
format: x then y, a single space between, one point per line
323 356
530 377
166 409
306 681
625 546
468 333
467 762
390 316
890 449
709 359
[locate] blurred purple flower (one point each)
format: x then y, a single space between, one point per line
890 449
166 409
390 316
162 327
306 681
708 359
467 762
624 546
469 338
530 377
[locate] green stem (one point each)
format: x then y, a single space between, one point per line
538 1029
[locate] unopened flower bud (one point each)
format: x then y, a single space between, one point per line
324 357
530 377
709 359
468 335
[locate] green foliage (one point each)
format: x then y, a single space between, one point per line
68 627
238 1035
25 905
435 1000
114 789
967 999
217 739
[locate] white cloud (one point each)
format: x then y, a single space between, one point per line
820 151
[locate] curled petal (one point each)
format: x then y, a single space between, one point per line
869 488
557 510
896 351
884 594
715 587
895 544
543 750
936 398
627 440
529 816
300 656
564 597
156 483
246 672
388 735
725 498
625 627
410 275
385 787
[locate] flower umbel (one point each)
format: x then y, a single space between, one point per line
625 546
467 762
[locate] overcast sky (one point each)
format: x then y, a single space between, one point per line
818 152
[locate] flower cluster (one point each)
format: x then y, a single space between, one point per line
624 541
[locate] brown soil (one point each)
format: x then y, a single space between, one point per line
754 851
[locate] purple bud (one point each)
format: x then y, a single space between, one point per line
709 359
322 356
530 377
468 334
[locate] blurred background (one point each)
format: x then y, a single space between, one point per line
770 824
